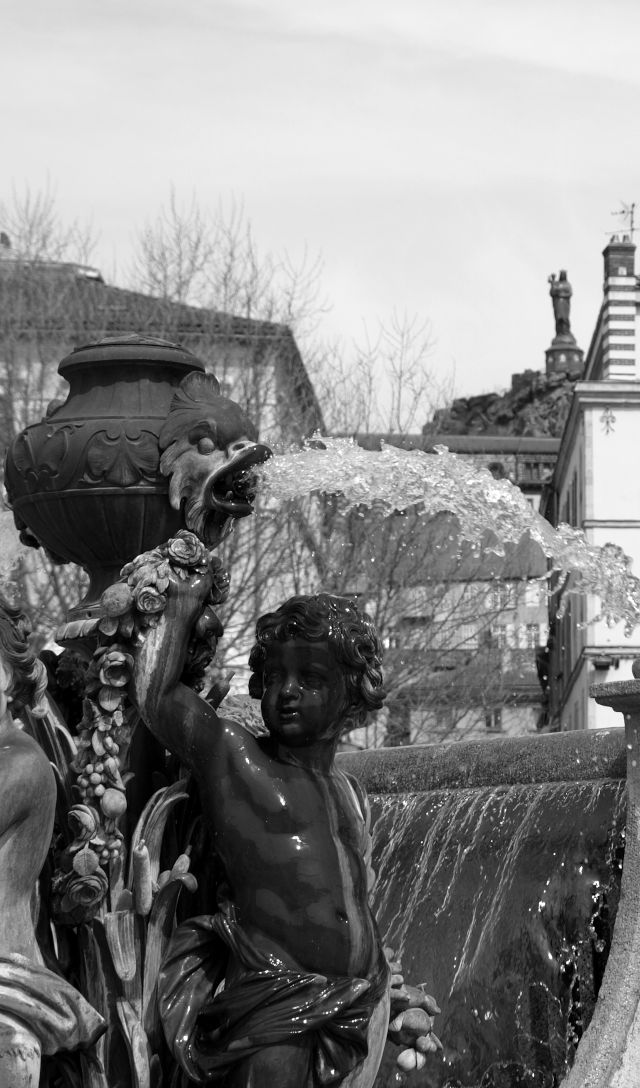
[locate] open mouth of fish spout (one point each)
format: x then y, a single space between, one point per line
231 489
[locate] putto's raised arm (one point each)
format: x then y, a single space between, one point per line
166 605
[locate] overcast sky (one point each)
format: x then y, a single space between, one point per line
442 157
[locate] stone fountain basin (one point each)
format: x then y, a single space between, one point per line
499 868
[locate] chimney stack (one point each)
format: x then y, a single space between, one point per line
619 309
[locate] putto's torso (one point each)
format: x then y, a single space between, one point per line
291 842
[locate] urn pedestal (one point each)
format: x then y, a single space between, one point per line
85 482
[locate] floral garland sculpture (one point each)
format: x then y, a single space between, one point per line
129 607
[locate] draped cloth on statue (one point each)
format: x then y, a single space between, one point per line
268 1003
53 1010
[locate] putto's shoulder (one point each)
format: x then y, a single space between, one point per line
238 734
19 749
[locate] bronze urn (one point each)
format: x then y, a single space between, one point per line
85 482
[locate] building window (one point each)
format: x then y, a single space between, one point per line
412 630
533 595
532 636
416 621
500 597
493 720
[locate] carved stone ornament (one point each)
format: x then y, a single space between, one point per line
210 448
88 484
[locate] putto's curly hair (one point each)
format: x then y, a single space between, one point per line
28 674
349 632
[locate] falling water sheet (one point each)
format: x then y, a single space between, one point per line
502 901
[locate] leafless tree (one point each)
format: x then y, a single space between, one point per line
386 383
212 260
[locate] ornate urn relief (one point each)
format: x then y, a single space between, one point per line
85 483
122 456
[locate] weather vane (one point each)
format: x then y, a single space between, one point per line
626 214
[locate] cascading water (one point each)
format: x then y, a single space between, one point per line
490 514
494 898
498 874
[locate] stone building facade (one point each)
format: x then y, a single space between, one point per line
596 488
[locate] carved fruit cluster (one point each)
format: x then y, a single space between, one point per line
128 608
103 733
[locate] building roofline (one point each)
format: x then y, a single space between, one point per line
123 310
459 443
194 316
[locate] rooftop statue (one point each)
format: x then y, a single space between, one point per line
40 1013
561 292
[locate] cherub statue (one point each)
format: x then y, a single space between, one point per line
40 1013
306 980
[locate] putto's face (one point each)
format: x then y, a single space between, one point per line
304 692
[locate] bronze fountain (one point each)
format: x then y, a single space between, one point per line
186 850
177 847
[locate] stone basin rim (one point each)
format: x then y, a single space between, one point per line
576 756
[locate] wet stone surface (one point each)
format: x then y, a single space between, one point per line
500 896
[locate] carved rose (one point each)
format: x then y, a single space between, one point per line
115 669
146 559
147 574
149 600
87 891
185 549
84 822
